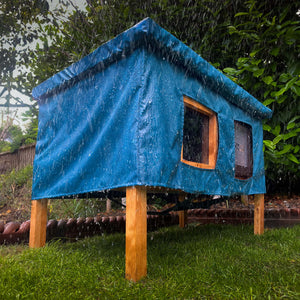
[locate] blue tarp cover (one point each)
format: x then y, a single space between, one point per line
115 119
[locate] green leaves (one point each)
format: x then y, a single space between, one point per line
268 80
296 89
268 67
284 77
293 158
279 149
275 51
230 71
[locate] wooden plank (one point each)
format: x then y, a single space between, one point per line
213 141
38 223
22 157
182 213
136 233
259 206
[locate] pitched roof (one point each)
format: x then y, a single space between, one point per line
151 36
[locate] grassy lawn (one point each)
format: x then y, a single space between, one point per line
199 262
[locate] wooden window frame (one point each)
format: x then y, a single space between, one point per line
242 172
212 135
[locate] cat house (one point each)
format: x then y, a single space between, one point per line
145 112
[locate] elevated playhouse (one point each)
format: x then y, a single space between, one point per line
143 113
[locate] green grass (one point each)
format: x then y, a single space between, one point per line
199 262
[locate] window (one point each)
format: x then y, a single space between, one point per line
243 150
200 135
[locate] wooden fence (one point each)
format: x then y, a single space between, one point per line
18 159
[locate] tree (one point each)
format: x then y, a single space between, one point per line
84 31
12 138
20 25
17 30
31 131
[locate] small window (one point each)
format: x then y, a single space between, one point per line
200 135
243 150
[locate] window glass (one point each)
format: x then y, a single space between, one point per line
200 135
243 150
195 136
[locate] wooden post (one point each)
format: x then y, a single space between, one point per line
136 233
182 213
244 199
108 205
259 207
38 223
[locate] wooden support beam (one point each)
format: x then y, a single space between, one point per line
259 206
38 223
136 233
182 213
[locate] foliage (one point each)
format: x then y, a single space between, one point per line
14 138
15 189
31 132
18 34
199 262
270 70
202 25
15 194
75 208
17 31
193 22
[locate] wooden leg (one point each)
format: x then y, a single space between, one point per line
38 223
182 213
259 214
108 205
136 233
244 199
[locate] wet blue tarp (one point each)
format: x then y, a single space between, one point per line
115 119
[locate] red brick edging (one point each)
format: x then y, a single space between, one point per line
274 217
74 229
